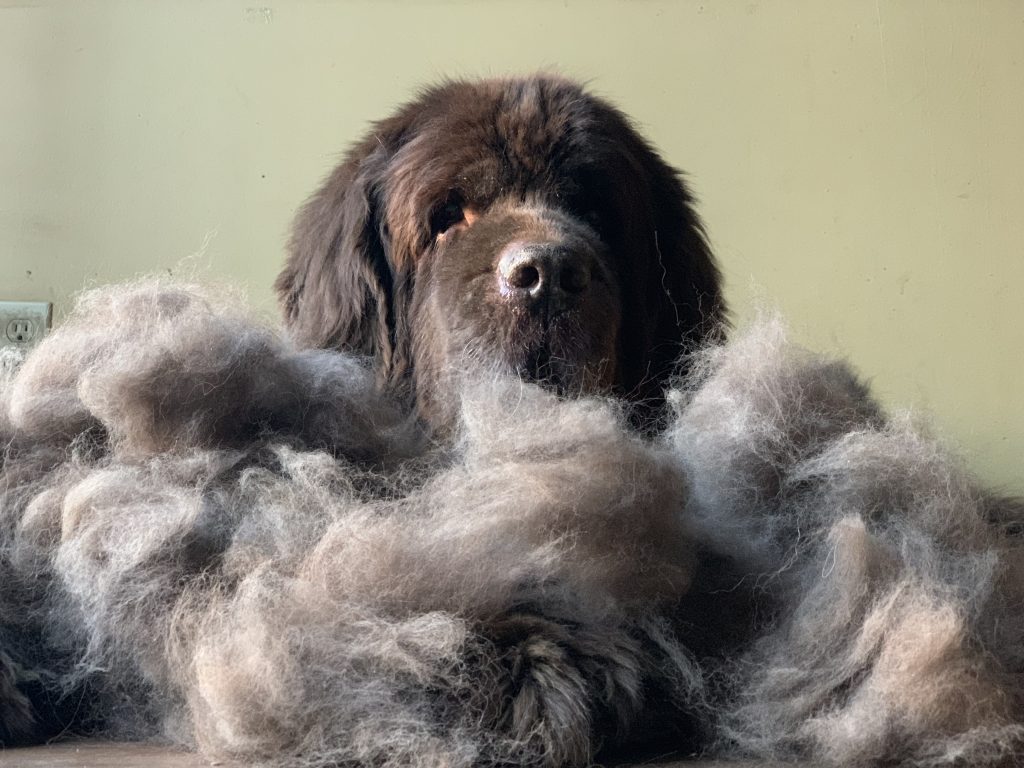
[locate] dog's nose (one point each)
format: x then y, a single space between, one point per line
538 274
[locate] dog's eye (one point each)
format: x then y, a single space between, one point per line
587 210
593 218
446 217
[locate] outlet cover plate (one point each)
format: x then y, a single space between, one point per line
23 324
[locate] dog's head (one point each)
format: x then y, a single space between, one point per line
518 225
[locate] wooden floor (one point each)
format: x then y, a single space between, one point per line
104 755
100 755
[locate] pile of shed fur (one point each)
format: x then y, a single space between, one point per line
210 536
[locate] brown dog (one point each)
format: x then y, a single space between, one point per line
519 225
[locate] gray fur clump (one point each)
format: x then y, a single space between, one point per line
212 537
898 632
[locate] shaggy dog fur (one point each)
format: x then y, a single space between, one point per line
519 225
213 536
210 535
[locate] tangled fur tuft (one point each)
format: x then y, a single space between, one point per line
897 582
213 537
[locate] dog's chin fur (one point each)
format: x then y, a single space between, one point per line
213 537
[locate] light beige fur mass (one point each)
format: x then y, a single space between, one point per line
210 535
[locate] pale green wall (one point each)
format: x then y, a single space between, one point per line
860 164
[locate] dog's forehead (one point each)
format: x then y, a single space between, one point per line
530 140
492 136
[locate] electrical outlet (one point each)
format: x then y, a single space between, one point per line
24 323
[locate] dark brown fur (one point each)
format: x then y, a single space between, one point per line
376 267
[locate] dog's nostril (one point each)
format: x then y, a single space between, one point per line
525 276
574 278
544 276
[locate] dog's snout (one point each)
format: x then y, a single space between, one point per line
543 274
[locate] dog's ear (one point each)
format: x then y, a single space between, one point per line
692 306
336 287
677 293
